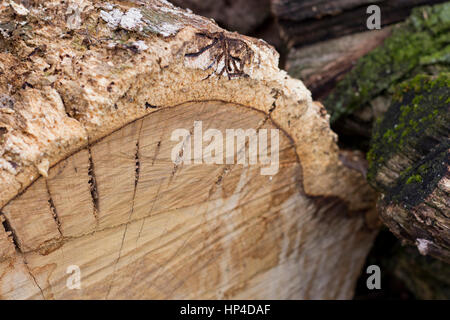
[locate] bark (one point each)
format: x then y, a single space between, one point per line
409 164
417 46
307 22
322 65
91 96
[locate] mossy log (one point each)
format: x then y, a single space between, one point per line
306 22
409 164
419 46
91 94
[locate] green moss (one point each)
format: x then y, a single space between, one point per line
419 44
417 99
413 128
414 178
421 179
440 56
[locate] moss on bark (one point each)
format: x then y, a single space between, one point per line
420 45
416 129
409 163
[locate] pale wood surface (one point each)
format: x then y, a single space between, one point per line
31 217
202 231
70 191
87 179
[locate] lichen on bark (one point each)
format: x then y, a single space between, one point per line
409 164
164 20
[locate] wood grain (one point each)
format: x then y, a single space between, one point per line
200 231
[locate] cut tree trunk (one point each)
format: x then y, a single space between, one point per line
310 21
365 93
93 97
